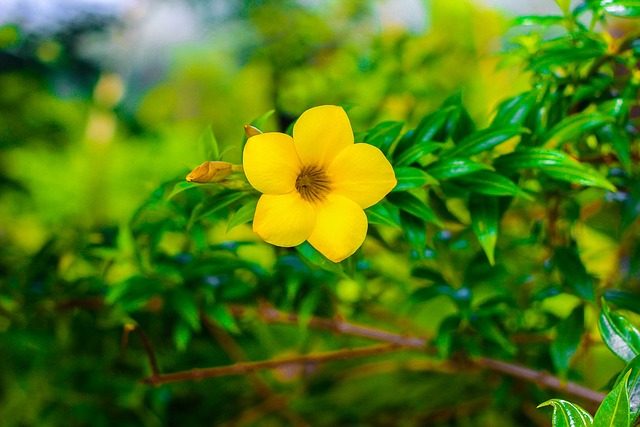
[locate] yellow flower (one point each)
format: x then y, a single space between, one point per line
316 184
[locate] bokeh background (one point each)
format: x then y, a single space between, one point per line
101 101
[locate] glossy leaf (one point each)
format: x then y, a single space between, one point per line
575 275
383 135
514 111
415 229
568 336
416 152
484 221
454 167
409 177
312 255
555 164
614 410
631 373
243 215
182 186
622 338
415 206
623 299
491 184
216 204
383 214
483 140
567 414
574 127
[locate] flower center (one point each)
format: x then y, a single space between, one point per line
313 183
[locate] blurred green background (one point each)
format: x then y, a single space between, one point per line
102 102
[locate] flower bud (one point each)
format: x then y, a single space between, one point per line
210 172
251 131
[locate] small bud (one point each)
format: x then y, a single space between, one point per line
210 172
251 131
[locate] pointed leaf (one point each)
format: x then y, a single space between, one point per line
568 261
631 373
383 135
622 338
483 140
491 184
514 111
454 167
208 145
574 127
415 206
409 177
614 410
243 215
484 221
567 414
416 152
568 336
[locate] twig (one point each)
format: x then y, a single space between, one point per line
153 363
246 367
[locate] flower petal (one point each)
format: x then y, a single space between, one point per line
284 220
321 133
340 229
270 163
363 174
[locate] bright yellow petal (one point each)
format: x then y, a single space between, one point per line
270 163
284 220
321 133
363 174
341 227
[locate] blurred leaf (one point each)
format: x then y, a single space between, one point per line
133 293
447 330
182 186
574 127
568 262
553 163
428 274
623 299
491 184
483 140
409 177
620 142
454 167
621 8
514 111
423 135
182 334
564 55
631 373
614 410
416 152
484 221
540 20
243 215
208 145
220 315
567 414
622 338
568 336
413 205
487 328
383 214
383 135
184 304
415 229
215 204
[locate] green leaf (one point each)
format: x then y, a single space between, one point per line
208 145
484 221
182 186
450 168
491 184
622 8
567 414
568 336
182 334
568 262
614 410
132 293
312 255
383 214
540 20
427 129
623 299
415 229
514 111
631 373
413 205
622 338
243 215
185 305
483 140
383 135
416 152
258 124
215 204
221 315
620 142
409 177
574 127
553 163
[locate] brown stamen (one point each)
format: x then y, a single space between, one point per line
313 184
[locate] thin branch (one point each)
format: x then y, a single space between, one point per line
153 363
246 367
543 379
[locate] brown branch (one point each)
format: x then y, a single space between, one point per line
246 367
543 379
153 363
